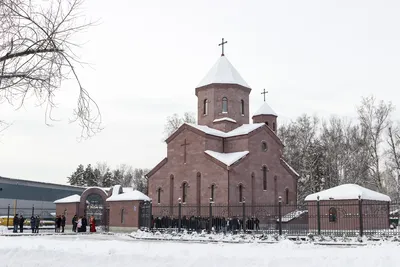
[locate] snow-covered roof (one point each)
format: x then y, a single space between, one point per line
265 109
347 191
104 189
224 119
227 158
129 196
71 199
127 189
290 167
243 129
223 72
292 215
116 189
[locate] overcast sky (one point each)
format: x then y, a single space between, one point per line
314 57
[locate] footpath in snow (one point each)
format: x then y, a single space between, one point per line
121 250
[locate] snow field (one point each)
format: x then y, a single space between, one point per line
121 250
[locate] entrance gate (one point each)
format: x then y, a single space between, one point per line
96 207
145 215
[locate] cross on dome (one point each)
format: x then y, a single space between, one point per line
263 93
222 44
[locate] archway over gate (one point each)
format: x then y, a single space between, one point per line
93 203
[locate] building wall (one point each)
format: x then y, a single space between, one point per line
375 215
214 94
124 214
69 210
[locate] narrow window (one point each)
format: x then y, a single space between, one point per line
224 105
240 193
242 107
212 192
332 215
273 126
205 107
122 216
264 146
159 195
287 196
266 122
184 193
264 178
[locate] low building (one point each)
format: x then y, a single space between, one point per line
340 208
116 208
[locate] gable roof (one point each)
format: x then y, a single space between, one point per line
241 130
265 109
289 168
223 72
157 167
347 192
129 196
227 158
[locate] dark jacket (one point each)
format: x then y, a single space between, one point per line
63 221
33 222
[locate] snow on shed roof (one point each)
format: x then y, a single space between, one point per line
347 191
244 129
265 109
129 196
70 199
227 158
223 72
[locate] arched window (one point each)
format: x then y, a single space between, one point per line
265 178
122 216
205 107
224 105
264 146
159 195
273 126
242 107
240 193
184 192
332 214
171 190
212 192
287 196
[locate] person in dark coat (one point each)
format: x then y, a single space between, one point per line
15 223
58 223
62 223
33 223
74 223
37 224
21 224
84 224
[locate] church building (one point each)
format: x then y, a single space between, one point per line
224 158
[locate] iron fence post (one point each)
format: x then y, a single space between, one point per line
280 214
151 214
318 216
179 214
210 216
244 214
361 215
33 209
8 215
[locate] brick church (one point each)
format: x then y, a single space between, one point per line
224 158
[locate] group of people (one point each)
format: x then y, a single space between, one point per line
60 223
79 224
19 222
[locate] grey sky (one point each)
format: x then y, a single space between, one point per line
147 57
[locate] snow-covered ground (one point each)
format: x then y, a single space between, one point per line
121 250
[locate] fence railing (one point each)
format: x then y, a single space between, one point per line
333 218
46 216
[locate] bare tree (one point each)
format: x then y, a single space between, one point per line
374 120
393 161
37 53
175 121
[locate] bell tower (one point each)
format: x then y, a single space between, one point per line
265 114
223 97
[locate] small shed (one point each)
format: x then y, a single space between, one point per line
340 208
68 206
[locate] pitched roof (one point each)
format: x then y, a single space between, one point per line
346 192
70 199
265 109
129 196
223 72
224 119
227 158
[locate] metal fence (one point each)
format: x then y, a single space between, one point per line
349 218
47 216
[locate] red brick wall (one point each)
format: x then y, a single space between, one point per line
70 210
130 211
375 215
214 94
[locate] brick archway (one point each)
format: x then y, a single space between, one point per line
100 194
